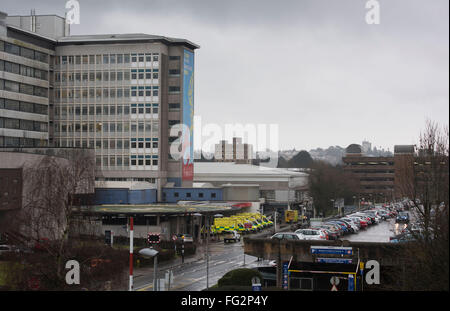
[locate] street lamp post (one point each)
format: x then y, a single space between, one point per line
207 246
152 253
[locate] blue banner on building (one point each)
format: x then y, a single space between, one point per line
188 115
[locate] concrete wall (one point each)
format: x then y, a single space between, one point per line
384 253
170 197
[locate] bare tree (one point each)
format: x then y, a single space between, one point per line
48 210
423 178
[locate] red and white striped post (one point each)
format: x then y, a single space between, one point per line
131 254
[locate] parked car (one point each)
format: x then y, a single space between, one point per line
186 238
362 222
4 249
311 234
285 235
337 227
231 236
402 217
354 225
402 238
349 225
332 233
342 226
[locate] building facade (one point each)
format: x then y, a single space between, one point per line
376 176
25 87
117 94
235 152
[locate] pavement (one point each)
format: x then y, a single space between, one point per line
176 262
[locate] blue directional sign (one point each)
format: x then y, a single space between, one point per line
285 275
331 250
334 260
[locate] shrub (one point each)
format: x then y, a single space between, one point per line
239 277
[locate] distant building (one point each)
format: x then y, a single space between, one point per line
366 146
234 152
376 175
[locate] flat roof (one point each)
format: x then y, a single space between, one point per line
109 38
129 37
231 168
159 208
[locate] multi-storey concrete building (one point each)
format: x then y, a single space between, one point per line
235 152
118 94
25 86
377 176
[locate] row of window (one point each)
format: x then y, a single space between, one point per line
150 180
6 141
105 144
123 161
16 105
104 59
106 127
92 76
23 70
24 52
111 76
91 110
20 124
100 94
23 88
188 195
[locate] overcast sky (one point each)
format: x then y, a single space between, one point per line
315 67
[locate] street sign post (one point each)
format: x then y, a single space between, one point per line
351 283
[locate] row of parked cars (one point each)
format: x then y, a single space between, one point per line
336 228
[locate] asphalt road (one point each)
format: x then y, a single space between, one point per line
192 276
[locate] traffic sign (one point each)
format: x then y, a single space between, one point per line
331 250
256 280
334 260
153 238
334 288
334 280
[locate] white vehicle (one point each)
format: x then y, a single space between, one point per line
231 236
311 234
286 235
7 249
